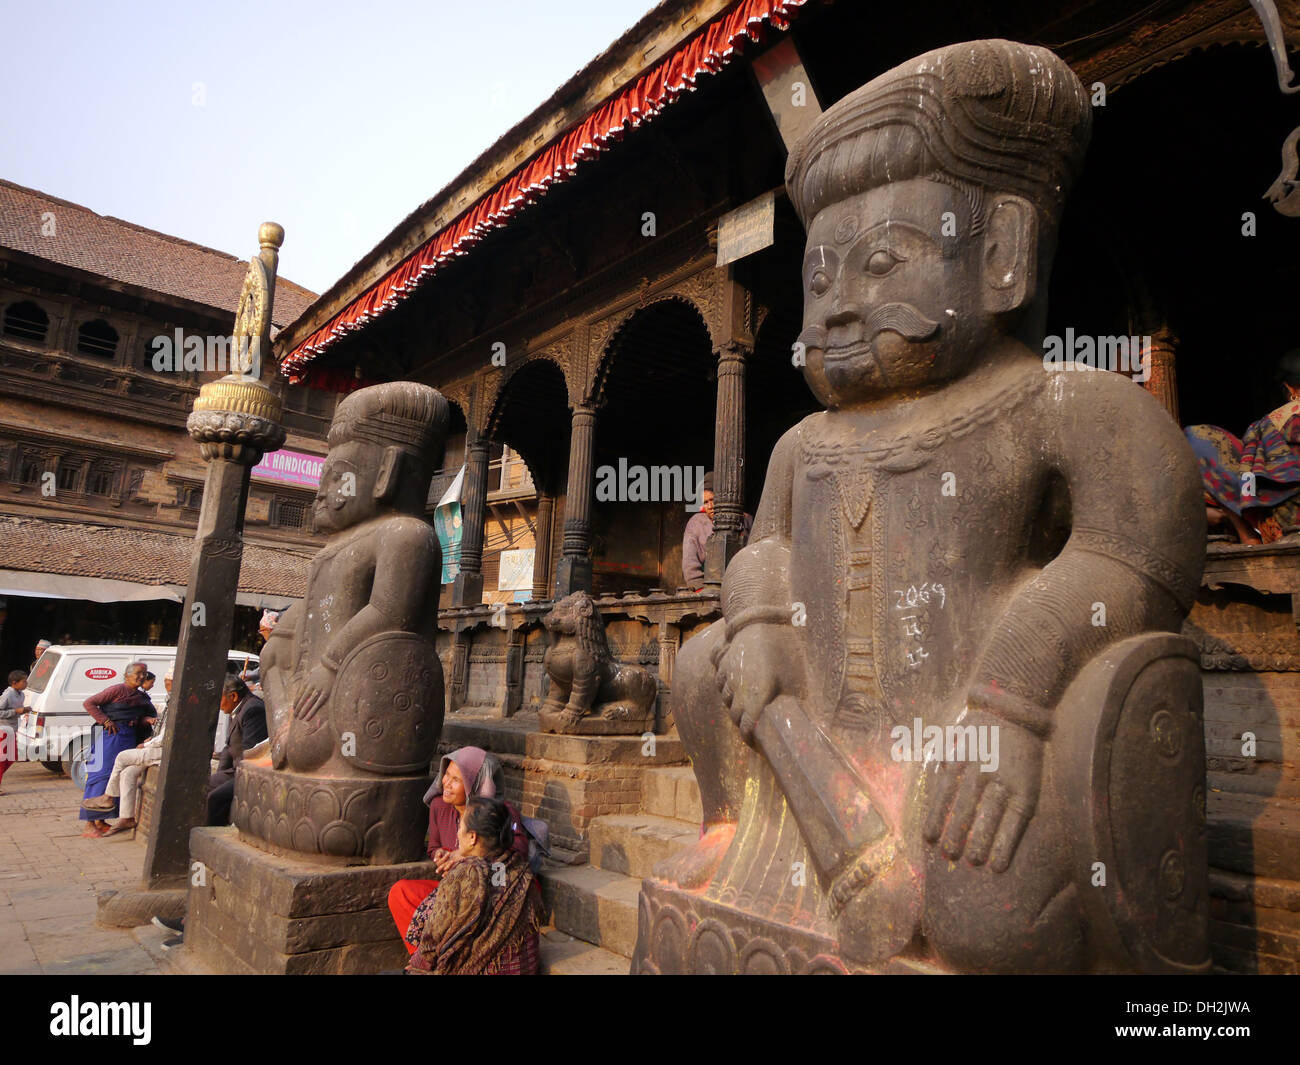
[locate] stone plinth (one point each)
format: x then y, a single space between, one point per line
251 912
680 932
570 780
378 820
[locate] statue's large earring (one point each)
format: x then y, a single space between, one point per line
1010 254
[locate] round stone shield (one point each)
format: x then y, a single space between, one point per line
387 703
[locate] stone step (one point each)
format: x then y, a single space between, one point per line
594 905
672 792
562 955
633 844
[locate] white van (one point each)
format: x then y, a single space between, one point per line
55 728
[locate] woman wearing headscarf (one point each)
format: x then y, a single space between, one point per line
462 775
484 918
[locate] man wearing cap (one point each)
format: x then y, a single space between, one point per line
698 531
129 769
40 650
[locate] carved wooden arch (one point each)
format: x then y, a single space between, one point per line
1197 30
494 387
532 452
458 399
606 334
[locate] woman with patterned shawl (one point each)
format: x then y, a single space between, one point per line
462 774
485 916
1253 482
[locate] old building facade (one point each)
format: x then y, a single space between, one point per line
106 332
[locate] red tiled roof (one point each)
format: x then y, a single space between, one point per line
136 555
124 252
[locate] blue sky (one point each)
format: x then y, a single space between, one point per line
334 119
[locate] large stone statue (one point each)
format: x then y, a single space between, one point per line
351 676
946 721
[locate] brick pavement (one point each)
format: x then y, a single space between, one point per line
49 879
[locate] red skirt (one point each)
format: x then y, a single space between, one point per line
403 898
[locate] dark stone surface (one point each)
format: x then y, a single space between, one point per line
590 693
314 814
965 546
255 912
351 675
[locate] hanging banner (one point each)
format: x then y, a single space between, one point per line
447 524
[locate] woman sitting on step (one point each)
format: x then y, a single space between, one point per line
465 773
485 916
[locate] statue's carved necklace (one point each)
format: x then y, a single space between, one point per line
825 458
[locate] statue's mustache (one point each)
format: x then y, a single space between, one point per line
900 318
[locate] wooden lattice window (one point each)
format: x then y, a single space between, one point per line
26 321
97 338
289 513
30 467
103 480
71 474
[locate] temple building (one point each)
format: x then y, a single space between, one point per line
107 330
616 284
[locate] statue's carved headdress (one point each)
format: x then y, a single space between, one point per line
404 414
985 115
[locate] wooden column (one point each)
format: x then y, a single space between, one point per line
728 462
467 589
1163 380
574 571
542 546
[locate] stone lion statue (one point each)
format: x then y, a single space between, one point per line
590 692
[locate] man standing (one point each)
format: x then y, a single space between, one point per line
128 773
40 650
247 729
698 531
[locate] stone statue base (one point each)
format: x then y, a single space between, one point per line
633 723
682 932
251 912
367 820
1127 797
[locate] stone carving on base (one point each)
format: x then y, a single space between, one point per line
946 722
590 693
351 676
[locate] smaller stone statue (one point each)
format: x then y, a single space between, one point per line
591 694
351 676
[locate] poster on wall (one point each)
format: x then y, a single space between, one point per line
447 524
516 574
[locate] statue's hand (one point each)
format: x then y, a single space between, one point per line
980 814
750 669
313 694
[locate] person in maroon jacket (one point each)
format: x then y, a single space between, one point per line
123 714
465 772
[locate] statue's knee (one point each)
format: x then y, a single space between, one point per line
981 921
694 676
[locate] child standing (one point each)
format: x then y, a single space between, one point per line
11 702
